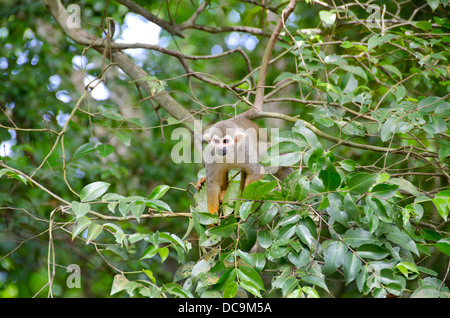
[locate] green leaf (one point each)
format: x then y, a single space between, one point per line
285 234
444 246
14 175
283 76
385 191
351 266
434 4
137 210
207 218
371 251
163 253
334 256
149 274
158 192
398 237
330 177
348 165
268 211
124 137
110 111
315 277
328 18
392 69
80 209
264 239
250 280
308 134
80 225
442 202
264 189
157 204
259 259
312 293
424 25
335 210
444 150
84 150
299 260
388 128
177 291
246 257
358 237
119 283
230 290
118 232
208 240
249 192
428 104
355 70
282 160
94 230
227 228
93 190
350 207
427 291
305 236
105 150
315 159
245 209
352 128
405 267
149 252
405 185
361 182
295 187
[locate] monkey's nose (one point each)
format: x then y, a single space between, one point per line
222 151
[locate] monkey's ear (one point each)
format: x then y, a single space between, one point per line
207 137
239 136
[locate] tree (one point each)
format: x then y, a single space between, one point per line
94 205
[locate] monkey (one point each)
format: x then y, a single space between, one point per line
236 143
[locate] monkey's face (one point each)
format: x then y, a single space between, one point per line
222 147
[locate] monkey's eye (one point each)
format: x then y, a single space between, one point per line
225 141
216 141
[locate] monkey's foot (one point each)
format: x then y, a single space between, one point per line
200 183
222 194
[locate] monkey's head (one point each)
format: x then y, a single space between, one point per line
223 140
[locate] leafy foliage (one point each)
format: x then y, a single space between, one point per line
363 91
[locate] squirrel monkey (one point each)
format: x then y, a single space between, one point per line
236 143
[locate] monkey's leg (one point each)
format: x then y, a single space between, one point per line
223 185
213 193
252 177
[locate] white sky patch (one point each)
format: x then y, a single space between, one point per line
100 92
63 96
81 62
138 30
235 39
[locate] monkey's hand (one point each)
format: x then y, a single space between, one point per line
199 184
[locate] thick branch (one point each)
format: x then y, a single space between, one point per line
83 37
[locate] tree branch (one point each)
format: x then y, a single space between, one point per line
259 98
169 27
318 132
83 37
